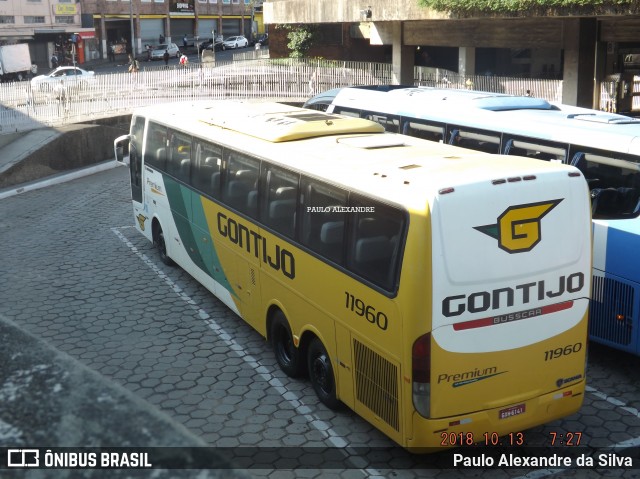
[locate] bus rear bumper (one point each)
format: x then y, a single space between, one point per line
499 424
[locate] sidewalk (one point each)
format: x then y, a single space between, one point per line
51 400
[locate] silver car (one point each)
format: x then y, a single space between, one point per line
68 77
157 53
235 42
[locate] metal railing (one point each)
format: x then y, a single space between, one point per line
248 76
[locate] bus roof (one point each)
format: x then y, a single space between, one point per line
278 122
514 114
396 168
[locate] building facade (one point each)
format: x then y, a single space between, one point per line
48 27
123 23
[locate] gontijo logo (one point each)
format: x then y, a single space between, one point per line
518 228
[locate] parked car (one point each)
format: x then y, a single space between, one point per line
191 40
158 51
67 76
235 42
209 45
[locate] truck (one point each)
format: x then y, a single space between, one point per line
15 62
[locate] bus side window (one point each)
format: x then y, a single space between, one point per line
531 149
179 161
206 172
340 110
389 122
423 130
376 242
323 224
474 140
614 181
280 200
240 183
156 150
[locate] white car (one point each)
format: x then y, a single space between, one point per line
235 42
69 77
158 51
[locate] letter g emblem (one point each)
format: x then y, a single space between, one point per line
518 229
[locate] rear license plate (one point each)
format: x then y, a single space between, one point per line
511 411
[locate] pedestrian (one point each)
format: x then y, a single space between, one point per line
313 82
148 47
134 66
111 52
165 57
161 39
184 41
54 61
29 96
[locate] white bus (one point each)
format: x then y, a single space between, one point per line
604 146
440 293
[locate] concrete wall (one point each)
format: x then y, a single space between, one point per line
314 11
76 146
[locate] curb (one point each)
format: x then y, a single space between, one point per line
57 179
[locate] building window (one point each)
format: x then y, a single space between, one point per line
7 19
33 19
64 18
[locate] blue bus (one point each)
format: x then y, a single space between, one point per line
604 146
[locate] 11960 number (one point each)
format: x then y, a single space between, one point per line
559 352
367 311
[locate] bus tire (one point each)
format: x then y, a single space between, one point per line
162 248
321 374
287 355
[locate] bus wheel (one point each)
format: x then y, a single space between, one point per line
162 248
287 354
321 374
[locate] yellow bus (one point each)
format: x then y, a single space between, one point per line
440 293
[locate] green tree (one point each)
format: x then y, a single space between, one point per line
526 7
300 38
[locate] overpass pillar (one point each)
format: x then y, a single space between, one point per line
578 76
467 61
402 61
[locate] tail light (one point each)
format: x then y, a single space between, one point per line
421 373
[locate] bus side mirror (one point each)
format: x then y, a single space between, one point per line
118 148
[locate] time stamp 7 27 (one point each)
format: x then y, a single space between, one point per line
458 439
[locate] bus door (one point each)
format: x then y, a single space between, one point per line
135 159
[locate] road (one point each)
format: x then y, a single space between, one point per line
87 302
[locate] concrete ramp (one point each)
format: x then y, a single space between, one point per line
41 153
